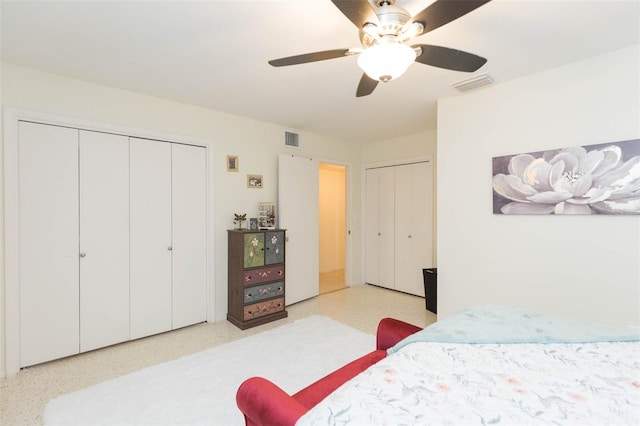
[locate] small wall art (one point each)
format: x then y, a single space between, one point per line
233 164
254 181
592 179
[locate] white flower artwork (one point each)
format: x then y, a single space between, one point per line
591 179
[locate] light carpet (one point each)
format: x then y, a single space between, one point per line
201 388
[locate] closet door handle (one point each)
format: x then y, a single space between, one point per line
83 254
169 248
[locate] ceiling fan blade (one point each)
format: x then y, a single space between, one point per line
442 12
309 57
451 59
366 86
357 11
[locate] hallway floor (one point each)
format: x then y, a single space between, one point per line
331 281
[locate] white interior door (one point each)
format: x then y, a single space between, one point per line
104 239
48 250
189 234
298 214
150 237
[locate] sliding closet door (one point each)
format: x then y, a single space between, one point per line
189 234
150 237
104 239
48 250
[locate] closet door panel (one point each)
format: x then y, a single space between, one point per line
104 239
371 226
403 228
150 237
387 227
189 234
48 229
413 226
422 220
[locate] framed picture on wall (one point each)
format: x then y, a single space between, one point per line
254 181
600 179
232 163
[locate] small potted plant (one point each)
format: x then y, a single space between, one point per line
239 219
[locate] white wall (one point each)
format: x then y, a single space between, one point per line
256 143
412 146
582 266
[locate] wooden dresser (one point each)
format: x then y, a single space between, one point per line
256 277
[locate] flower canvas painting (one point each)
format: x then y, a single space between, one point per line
591 179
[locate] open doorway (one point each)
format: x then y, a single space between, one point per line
332 226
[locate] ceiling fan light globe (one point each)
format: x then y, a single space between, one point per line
386 61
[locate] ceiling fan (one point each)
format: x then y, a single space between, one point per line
384 29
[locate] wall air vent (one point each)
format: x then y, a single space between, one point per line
473 83
292 139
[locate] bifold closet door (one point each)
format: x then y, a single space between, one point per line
413 240
104 239
379 253
387 231
150 237
189 231
49 255
372 226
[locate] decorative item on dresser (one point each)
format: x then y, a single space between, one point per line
266 215
256 277
239 219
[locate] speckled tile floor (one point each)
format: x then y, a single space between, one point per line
24 396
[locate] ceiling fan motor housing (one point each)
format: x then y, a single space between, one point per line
391 23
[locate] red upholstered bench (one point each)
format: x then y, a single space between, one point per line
263 403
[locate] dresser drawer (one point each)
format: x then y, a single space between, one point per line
263 275
263 308
264 291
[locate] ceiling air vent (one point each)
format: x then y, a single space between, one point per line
292 139
473 82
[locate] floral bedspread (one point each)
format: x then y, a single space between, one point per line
496 365
593 383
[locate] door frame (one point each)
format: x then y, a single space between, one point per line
348 247
11 117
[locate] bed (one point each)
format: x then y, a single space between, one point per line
496 365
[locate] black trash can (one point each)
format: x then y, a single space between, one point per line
430 276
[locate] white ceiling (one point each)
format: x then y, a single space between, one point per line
214 54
